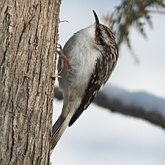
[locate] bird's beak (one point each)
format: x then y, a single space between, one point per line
96 17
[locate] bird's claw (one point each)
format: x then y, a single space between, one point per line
64 60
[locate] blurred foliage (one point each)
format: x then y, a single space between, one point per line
133 13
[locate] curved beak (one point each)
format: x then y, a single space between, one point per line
96 17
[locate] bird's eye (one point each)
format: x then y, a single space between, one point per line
98 42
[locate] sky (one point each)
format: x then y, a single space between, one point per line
100 137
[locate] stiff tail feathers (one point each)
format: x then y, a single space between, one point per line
58 129
62 122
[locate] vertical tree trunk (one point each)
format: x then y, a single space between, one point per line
28 37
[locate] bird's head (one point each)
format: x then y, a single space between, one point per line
104 38
96 37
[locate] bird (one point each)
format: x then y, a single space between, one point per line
91 55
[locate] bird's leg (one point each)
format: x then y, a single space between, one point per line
64 61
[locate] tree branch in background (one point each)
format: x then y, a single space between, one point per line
133 13
137 104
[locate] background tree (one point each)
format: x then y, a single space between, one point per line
133 14
28 38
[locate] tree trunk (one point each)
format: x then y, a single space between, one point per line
28 37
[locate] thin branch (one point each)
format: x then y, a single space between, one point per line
157 11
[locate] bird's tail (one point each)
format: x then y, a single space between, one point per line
58 129
63 121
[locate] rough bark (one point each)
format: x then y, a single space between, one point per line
114 103
28 37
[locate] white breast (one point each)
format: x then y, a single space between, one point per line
82 56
